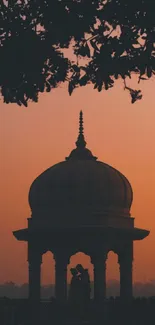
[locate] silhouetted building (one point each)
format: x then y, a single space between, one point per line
80 204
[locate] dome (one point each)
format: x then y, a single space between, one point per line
79 189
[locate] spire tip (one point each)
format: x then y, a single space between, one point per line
81 143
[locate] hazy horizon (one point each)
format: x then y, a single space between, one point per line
12 290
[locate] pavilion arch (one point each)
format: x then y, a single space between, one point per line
47 274
112 274
81 257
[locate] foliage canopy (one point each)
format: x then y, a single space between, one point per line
107 40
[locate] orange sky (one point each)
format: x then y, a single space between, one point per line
34 138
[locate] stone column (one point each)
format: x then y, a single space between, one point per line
99 262
125 260
61 262
35 260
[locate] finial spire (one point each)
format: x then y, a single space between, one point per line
81 143
81 153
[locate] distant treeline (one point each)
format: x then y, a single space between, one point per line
12 290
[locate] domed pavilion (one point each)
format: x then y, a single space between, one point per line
80 205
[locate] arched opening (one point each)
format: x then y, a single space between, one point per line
112 275
85 261
47 276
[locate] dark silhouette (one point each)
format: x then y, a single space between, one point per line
139 312
79 293
61 190
116 37
80 204
84 283
74 292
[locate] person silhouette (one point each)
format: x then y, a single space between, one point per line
84 283
74 287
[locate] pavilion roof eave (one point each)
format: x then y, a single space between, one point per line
139 234
21 234
132 233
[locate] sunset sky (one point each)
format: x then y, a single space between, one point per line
34 138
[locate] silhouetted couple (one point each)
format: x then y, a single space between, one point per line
80 286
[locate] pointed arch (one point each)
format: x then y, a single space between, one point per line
85 260
112 275
47 275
